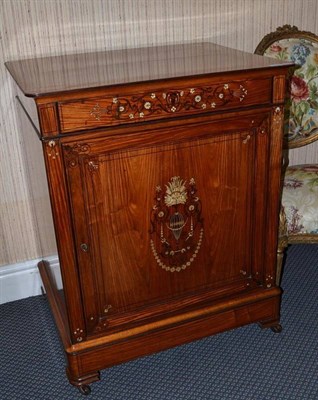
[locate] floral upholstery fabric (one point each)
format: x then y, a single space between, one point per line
302 105
300 199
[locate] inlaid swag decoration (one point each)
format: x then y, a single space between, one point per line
301 116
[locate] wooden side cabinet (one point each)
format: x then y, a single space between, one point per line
163 166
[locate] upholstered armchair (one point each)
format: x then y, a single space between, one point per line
299 210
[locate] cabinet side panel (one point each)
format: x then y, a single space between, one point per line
37 185
29 107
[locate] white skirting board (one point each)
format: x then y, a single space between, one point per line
21 280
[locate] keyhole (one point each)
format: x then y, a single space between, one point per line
84 247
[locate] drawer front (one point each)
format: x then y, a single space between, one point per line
161 103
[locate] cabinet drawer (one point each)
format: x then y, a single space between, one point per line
116 109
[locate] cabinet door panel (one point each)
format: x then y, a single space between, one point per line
162 222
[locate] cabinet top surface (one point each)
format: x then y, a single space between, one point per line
50 75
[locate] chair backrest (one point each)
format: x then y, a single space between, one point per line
301 117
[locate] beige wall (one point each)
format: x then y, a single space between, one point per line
30 28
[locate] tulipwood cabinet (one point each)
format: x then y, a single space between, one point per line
163 166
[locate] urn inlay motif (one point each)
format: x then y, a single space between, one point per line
176 225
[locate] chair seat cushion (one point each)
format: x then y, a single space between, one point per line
300 199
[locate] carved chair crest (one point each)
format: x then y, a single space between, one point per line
301 117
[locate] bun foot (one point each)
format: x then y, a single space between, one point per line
277 328
84 389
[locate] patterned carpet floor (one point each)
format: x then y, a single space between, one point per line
244 364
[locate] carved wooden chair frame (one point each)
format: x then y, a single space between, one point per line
289 32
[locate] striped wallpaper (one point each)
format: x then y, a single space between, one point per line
30 28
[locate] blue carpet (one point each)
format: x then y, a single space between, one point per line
244 364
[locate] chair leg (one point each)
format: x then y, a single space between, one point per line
282 244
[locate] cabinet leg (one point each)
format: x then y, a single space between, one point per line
84 389
277 328
82 382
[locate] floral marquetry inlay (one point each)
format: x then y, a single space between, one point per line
72 153
52 149
93 166
77 148
172 101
